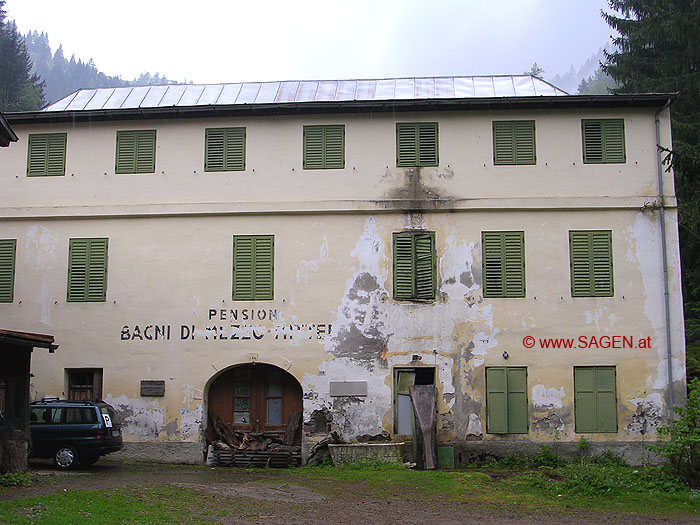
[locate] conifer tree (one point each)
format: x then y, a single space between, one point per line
19 89
658 51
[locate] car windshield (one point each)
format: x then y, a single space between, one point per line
106 409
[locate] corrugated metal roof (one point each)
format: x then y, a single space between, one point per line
177 95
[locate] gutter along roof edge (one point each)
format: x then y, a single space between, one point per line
650 100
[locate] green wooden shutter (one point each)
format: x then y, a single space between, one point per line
126 152
313 147
46 155
97 270
214 148
87 270
591 263
514 267
146 151
514 142
524 141
253 267
56 154
136 151
503 143
503 263
595 400
592 141
506 400
414 266
580 262
496 401
263 276
614 140
606 399
224 149
77 270
492 264
601 263
603 141
8 248
406 151
324 147
235 149
242 268
517 400
417 144
425 266
584 399
404 271
427 144
334 147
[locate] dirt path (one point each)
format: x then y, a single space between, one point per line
280 497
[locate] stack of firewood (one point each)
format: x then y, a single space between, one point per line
227 438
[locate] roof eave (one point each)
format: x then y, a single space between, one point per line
7 135
651 100
28 339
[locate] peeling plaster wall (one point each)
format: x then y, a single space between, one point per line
348 286
333 317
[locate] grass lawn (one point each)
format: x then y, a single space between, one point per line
565 493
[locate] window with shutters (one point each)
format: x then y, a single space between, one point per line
416 144
136 151
514 142
414 266
591 263
8 248
253 267
324 147
87 270
224 149
47 155
595 399
506 400
503 264
603 141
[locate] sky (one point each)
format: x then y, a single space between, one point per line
230 41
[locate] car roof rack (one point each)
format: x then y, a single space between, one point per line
88 402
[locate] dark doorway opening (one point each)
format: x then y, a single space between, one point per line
404 378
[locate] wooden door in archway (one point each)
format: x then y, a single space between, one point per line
256 398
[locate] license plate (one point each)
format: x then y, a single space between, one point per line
116 433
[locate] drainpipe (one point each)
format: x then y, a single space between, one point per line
662 222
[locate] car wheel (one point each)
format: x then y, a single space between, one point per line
89 460
65 458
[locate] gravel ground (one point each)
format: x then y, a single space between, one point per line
275 497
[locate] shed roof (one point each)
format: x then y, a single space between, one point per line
6 133
27 339
296 91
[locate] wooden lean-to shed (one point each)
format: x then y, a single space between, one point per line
15 364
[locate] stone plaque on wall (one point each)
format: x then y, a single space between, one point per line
348 388
152 388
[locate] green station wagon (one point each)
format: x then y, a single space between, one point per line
73 432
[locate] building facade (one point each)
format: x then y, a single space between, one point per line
249 251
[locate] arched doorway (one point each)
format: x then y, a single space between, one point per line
256 398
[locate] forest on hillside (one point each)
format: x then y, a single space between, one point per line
32 75
64 76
